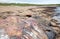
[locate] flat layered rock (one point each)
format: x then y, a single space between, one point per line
22 28
31 22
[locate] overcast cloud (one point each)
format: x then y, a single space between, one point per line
32 1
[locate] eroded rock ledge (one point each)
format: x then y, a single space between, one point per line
29 23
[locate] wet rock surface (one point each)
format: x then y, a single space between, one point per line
29 23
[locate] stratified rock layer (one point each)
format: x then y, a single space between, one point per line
32 22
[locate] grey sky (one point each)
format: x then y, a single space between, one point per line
32 1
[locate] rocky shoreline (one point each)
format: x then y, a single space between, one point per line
29 22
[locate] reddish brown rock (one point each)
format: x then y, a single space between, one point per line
27 28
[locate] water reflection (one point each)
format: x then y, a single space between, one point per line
57 9
57 14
